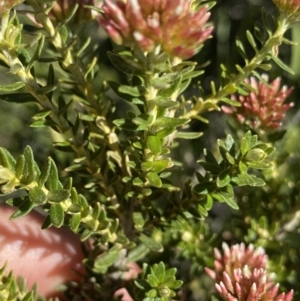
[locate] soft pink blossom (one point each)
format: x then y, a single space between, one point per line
151 25
264 108
240 275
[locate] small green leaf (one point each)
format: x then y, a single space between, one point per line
86 234
160 165
57 214
104 261
41 114
151 243
188 135
204 188
251 40
47 223
152 293
142 285
12 87
169 122
202 210
20 165
38 51
127 124
230 158
231 203
137 253
258 165
132 91
29 170
52 182
22 210
164 102
214 169
154 144
47 89
124 63
251 180
147 166
152 280
37 195
246 143
58 195
138 220
75 222
63 146
45 172
138 182
18 98
209 202
227 191
172 90
143 119
243 167
74 208
159 270
41 123
223 179
282 65
231 102
6 159
163 133
97 211
154 179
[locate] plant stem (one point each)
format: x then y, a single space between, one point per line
270 46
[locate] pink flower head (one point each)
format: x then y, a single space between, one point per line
236 257
240 275
289 7
154 24
251 286
263 109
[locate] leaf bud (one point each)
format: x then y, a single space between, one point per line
255 154
164 291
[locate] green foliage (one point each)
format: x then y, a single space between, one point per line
160 284
232 169
10 287
127 135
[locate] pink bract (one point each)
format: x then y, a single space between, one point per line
170 25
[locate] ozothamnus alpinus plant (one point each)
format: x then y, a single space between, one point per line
122 123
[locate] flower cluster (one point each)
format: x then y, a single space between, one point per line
154 24
288 6
263 109
240 275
